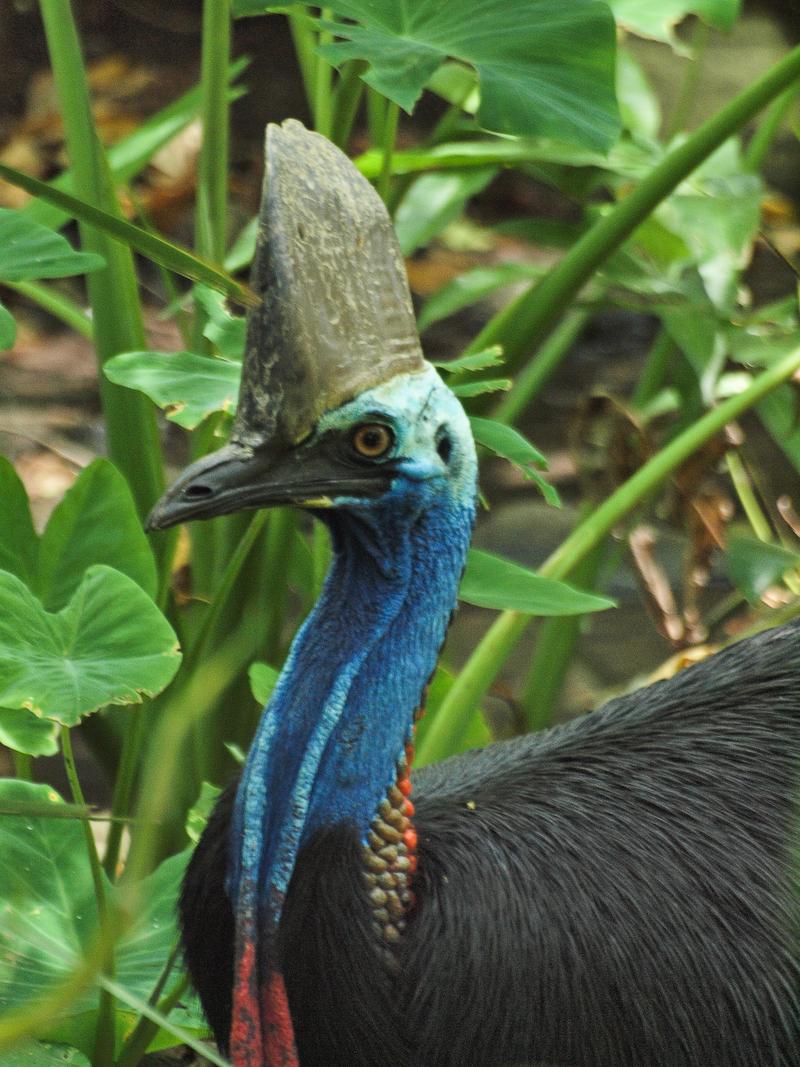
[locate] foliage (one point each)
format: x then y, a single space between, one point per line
92 611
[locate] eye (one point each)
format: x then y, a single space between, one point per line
372 440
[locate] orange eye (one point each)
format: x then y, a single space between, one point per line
372 440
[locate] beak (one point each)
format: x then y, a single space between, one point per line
236 478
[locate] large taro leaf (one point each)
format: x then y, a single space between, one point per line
545 67
493 582
50 916
188 386
109 645
43 1054
30 250
24 732
658 18
96 522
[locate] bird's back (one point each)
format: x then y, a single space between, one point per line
612 893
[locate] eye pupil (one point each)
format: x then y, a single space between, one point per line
372 441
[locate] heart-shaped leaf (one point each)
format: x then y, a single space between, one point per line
26 733
50 912
109 645
30 250
8 329
434 201
45 1054
188 386
96 522
545 68
492 582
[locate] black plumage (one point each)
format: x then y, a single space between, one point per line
617 892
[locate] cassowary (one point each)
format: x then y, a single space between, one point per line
618 892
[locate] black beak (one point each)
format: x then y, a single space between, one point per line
236 478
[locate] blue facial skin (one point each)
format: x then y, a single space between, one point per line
328 744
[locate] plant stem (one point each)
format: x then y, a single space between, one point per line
130 418
105 1034
486 661
534 375
304 40
276 565
139 1038
123 790
389 135
58 305
525 323
23 766
323 80
346 99
652 377
765 134
376 116
747 498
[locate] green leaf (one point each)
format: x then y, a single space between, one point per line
754 565
490 385
658 18
434 201
492 582
201 810
471 286
545 68
474 361
30 250
476 735
109 645
509 443
262 681
225 331
49 912
44 1054
25 733
156 248
188 386
19 545
8 329
96 522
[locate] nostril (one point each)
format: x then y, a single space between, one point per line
197 492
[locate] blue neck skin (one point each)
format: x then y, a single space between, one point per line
328 744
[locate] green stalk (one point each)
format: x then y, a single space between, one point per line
276 565
376 116
105 1034
388 137
323 83
747 498
58 305
346 99
23 766
525 323
212 186
534 375
137 1041
655 369
555 646
762 139
304 39
485 663
124 783
130 418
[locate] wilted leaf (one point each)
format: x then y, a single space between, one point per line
434 201
754 565
545 68
109 645
492 582
188 386
658 18
30 250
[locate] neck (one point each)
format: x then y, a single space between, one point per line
330 740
